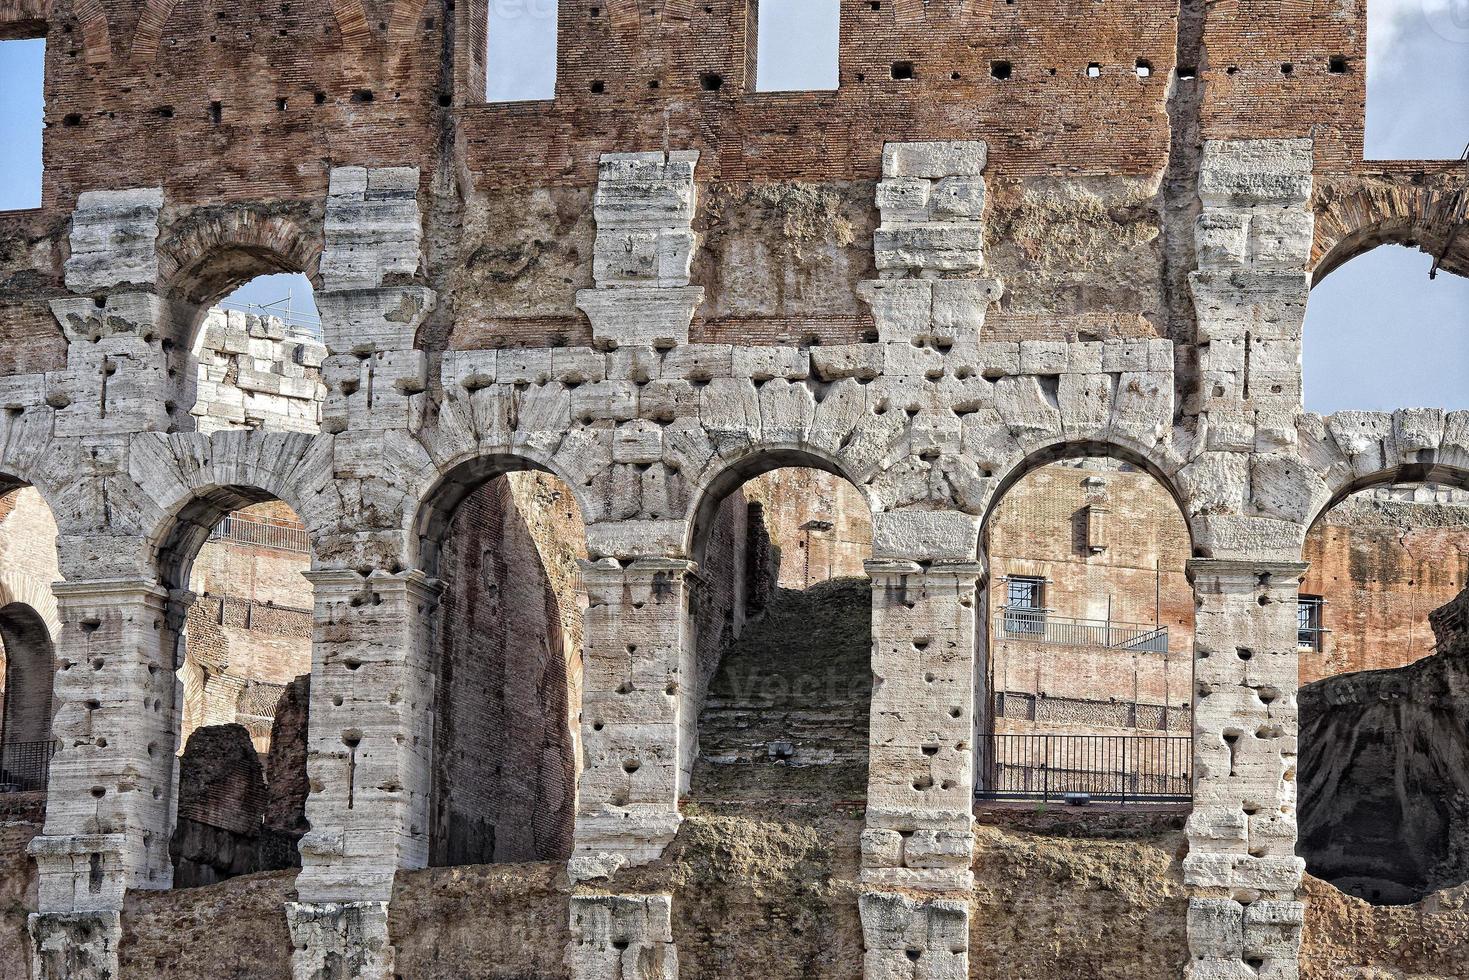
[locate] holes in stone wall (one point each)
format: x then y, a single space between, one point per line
1000 70
796 45
903 71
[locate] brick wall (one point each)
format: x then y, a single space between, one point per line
505 757
818 522
1384 561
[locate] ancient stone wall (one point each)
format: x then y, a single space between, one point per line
256 372
1013 234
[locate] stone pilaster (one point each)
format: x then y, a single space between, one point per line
1244 920
639 739
1254 243
920 796
372 301
110 802
638 725
929 248
615 937
644 251
370 764
116 377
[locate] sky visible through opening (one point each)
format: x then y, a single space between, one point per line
1378 335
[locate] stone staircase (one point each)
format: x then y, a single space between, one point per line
786 716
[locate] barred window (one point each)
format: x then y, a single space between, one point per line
1308 622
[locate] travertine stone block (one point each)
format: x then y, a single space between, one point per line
75 945
644 251
914 939
109 807
615 937
920 764
1242 830
929 247
114 237
371 738
638 720
340 939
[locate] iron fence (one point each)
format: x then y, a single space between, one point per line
284 537
23 765
1106 768
1039 626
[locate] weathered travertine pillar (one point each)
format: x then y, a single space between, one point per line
370 747
1254 243
1244 920
637 740
369 762
644 251
918 843
109 808
929 248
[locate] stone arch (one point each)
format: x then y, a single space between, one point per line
30 666
460 476
1161 470
188 483
1160 675
1352 451
717 482
1354 219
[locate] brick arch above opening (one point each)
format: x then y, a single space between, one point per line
1356 217
148 36
204 257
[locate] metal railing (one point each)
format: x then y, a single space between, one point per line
1040 626
24 765
299 324
1105 768
284 537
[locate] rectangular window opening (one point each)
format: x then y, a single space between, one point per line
1308 622
1025 605
22 119
1417 81
797 45
520 51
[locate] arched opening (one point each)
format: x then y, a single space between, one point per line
28 628
1086 691
782 632
1369 322
245 346
504 540
242 611
1384 659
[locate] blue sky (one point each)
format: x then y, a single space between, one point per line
1368 326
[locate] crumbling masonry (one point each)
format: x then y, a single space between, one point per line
927 282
